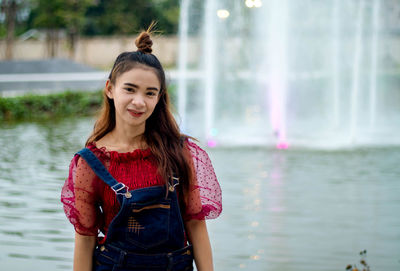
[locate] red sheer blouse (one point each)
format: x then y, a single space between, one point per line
90 204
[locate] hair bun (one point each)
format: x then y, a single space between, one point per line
144 43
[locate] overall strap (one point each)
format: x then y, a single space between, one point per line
101 171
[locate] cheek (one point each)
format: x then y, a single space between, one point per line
153 102
120 104
152 107
122 100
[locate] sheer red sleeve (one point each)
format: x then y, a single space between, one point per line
80 198
205 196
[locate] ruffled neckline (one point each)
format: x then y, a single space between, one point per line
121 156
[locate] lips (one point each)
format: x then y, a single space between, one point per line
135 113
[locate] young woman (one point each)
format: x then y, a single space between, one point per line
138 194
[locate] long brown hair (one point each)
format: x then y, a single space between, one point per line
162 133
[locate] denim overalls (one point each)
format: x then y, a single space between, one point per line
147 233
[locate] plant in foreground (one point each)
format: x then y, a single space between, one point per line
365 266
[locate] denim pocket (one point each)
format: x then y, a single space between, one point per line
102 262
148 223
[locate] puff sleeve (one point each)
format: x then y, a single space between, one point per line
79 198
205 196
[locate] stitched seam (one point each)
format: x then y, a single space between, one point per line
163 206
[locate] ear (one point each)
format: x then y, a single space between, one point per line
109 89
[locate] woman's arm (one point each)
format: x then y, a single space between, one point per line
83 252
198 237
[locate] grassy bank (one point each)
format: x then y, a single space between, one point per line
34 107
65 104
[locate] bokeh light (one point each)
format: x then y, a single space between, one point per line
253 3
223 13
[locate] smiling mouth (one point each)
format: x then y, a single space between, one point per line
135 113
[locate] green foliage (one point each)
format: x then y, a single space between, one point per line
167 15
32 107
117 16
49 14
98 17
69 14
3 30
121 17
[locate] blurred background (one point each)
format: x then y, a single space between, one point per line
297 103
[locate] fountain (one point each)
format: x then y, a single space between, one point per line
290 72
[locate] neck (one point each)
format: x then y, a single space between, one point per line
128 138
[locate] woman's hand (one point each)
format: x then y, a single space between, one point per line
198 237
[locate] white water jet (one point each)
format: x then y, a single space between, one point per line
210 67
374 56
294 69
277 68
336 62
356 73
182 62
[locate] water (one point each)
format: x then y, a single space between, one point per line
299 209
291 72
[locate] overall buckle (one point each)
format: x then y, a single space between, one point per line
174 182
119 187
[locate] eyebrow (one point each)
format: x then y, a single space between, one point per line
135 86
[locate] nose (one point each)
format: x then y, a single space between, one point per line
138 101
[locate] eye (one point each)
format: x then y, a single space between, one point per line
129 89
151 93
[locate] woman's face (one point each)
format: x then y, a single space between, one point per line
135 94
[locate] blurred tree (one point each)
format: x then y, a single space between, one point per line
84 17
57 15
121 17
167 15
10 10
49 16
110 17
74 16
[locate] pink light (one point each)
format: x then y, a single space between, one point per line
211 143
282 145
277 109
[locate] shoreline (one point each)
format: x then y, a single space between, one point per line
39 107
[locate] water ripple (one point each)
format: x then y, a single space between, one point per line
284 210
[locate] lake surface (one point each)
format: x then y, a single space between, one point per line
283 210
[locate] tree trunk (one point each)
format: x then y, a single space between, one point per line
52 42
73 29
72 40
10 10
